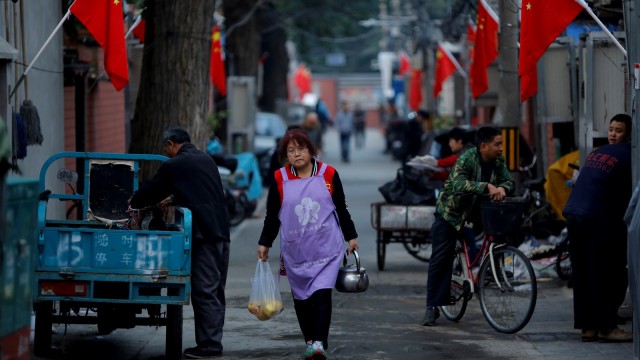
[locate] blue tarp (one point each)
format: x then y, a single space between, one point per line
577 28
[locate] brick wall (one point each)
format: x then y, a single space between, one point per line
105 112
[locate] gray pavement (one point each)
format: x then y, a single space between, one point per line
382 323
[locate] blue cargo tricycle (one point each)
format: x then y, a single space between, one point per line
100 262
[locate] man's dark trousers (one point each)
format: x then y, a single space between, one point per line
443 244
209 264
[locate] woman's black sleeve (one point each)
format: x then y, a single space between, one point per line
346 224
271 220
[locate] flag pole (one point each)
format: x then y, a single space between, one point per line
602 26
133 26
64 18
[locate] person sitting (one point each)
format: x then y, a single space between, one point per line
457 144
415 132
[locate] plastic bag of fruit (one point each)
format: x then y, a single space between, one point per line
265 301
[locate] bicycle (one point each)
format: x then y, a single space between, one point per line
505 283
563 261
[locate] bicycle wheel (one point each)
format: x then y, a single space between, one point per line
460 291
563 262
507 303
420 251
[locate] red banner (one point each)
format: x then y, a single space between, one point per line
415 90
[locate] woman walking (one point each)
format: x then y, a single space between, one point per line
306 203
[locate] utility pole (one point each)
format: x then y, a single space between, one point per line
384 41
509 90
632 26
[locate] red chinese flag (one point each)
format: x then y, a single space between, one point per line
404 65
541 23
445 66
471 37
138 31
486 48
105 21
216 64
302 79
415 90
471 32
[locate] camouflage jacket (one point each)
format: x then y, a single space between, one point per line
460 191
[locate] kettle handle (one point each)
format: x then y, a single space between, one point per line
355 253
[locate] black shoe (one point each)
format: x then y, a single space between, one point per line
198 353
430 316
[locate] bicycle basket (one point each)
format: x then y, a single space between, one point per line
502 218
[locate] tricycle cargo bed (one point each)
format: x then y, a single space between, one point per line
386 216
409 225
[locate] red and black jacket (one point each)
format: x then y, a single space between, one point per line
274 202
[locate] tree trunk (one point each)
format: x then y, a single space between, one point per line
174 83
243 38
276 64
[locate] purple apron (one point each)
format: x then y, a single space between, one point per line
311 241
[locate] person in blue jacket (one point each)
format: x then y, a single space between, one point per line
598 242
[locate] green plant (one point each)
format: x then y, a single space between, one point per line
215 120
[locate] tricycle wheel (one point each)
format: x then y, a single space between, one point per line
173 341
106 319
381 250
42 334
420 251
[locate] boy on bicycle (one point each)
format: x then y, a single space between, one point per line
478 171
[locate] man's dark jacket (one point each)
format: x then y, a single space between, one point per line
192 178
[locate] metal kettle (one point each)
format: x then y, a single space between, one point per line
352 278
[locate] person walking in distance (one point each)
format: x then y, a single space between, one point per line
344 122
306 204
191 177
360 124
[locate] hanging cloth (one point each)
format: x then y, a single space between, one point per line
19 137
31 121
